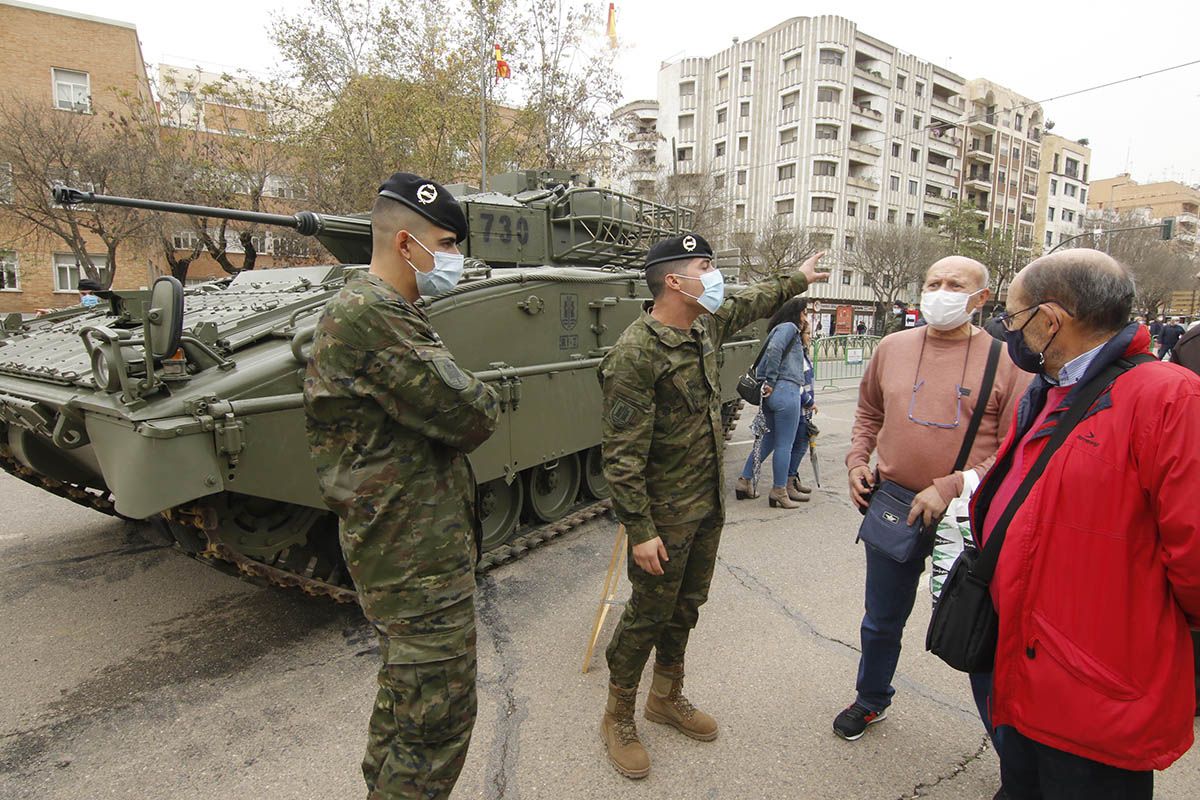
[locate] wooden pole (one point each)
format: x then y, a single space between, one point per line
607 596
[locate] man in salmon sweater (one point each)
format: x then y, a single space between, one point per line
1099 572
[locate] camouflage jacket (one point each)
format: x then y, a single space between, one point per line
662 436
390 417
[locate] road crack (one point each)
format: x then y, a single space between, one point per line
959 768
500 778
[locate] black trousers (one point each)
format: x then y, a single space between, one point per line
1196 646
1030 770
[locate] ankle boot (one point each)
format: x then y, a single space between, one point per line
778 498
619 734
744 490
797 491
667 705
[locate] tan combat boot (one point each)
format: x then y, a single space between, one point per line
666 704
798 491
620 736
779 498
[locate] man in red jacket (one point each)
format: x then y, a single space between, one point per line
1099 573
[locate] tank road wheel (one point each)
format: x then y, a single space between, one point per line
552 488
730 413
594 483
499 507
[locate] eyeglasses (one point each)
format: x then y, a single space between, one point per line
1007 318
912 405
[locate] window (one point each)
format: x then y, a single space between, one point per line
832 57
785 206
1083 197
916 122
787 136
1055 168
827 132
721 114
72 90
67 271
895 149
1050 214
786 172
1068 216
741 177
684 154
744 110
722 82
827 169
1017 155
1049 238
6 182
848 274
898 116
1000 175
746 75
872 213
1020 121
743 144
792 62
901 80
828 94
1072 168
848 244
10 279
1070 189
910 219
891 218
185 240
823 205
851 209
894 183
1053 187
686 123
719 150
914 155
912 188
719 182
788 101
739 211
687 89
920 89
1084 178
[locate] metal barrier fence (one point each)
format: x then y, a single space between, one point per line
839 360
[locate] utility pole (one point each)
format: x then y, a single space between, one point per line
483 92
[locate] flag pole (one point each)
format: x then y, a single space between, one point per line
483 86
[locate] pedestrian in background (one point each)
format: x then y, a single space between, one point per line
1098 574
915 403
787 407
1172 332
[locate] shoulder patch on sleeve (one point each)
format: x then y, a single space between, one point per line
622 413
450 373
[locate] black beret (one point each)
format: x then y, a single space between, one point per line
689 245
88 285
427 198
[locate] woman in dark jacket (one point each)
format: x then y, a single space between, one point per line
787 406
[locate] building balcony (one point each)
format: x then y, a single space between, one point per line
826 183
793 77
742 158
983 122
789 114
865 149
946 144
865 111
981 181
980 152
687 166
831 72
685 136
947 171
830 110
787 151
1187 219
744 123
937 201
864 183
875 77
786 186
951 106
1026 216
1031 191
687 102
983 212
721 96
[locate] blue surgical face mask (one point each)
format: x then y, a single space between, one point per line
89 301
714 289
446 273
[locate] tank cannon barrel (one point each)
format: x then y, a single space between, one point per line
348 238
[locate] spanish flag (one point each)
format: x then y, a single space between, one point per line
502 68
612 25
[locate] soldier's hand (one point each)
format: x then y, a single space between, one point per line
651 555
928 505
809 269
860 486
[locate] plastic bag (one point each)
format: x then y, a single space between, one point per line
953 534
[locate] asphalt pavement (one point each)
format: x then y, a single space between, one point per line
128 670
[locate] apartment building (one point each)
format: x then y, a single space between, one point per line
819 122
1062 190
1154 201
638 137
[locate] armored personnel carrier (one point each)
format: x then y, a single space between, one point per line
183 407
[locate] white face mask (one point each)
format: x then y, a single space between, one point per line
714 289
945 310
446 273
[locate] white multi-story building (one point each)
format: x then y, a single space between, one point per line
821 123
638 137
1062 190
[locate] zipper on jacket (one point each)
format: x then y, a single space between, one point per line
1031 650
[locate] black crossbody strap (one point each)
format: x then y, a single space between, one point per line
985 566
981 401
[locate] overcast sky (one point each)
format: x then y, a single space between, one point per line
1149 127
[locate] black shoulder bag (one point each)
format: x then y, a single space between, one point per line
965 626
885 520
750 386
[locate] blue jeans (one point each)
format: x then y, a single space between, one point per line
890 592
786 423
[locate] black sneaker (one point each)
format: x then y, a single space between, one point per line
853 722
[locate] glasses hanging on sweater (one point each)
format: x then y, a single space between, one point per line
959 391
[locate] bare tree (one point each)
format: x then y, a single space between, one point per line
98 151
703 196
1159 268
892 258
777 247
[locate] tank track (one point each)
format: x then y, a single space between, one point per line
523 541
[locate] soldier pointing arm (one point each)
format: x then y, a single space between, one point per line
662 445
391 417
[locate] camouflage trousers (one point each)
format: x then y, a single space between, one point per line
425 710
663 609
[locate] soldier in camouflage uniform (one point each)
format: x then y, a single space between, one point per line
391 418
662 445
